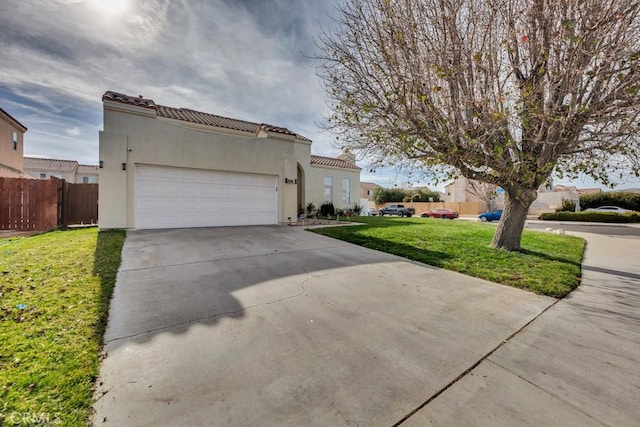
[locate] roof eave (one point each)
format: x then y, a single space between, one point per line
355 169
13 121
128 108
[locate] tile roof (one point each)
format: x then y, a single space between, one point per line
53 165
199 117
11 118
369 185
87 169
330 161
131 100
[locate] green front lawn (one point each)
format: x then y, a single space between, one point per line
54 299
549 264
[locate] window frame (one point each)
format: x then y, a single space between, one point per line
346 192
328 189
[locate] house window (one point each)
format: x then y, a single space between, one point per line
15 140
368 192
346 192
43 176
328 189
85 179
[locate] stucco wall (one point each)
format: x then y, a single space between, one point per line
549 201
315 185
136 136
9 156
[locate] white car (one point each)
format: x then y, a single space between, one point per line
372 212
614 209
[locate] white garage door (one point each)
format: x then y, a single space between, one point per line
169 197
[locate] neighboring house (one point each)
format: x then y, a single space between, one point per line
11 146
367 189
463 190
69 170
165 167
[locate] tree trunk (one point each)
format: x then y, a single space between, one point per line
509 231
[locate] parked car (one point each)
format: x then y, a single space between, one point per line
399 210
372 212
614 209
491 216
440 213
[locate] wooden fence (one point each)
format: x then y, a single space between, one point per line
41 205
79 204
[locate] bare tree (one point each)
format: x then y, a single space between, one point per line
484 191
501 91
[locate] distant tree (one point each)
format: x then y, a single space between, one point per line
623 199
500 91
427 195
484 191
399 195
384 195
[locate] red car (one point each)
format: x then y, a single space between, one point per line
440 213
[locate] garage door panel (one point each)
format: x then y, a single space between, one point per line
177 197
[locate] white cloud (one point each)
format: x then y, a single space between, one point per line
75 131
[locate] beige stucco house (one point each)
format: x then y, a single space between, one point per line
367 190
69 170
165 167
11 146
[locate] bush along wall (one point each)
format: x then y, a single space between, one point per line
591 217
398 195
623 199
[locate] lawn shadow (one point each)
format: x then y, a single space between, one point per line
550 257
414 253
106 260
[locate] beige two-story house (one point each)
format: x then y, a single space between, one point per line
167 167
11 146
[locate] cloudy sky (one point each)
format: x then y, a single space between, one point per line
247 59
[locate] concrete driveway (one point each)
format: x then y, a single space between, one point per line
276 325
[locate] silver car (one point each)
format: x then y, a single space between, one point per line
614 209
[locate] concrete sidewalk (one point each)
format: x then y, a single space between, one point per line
278 326
577 364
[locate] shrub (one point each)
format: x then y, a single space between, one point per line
310 208
591 217
567 206
356 208
327 209
623 199
398 195
384 195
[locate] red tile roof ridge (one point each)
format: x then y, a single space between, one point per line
122 98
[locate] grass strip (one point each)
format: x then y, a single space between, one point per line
55 290
548 264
